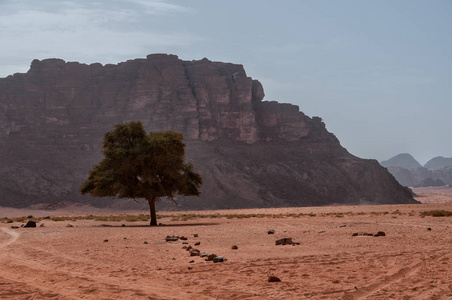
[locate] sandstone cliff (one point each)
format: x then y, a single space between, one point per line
251 153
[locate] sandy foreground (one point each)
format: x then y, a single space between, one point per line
413 260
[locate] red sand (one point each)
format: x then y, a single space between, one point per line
410 262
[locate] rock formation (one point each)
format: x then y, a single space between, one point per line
251 153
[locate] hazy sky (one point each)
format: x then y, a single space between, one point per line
379 73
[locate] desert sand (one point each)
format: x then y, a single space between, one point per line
88 261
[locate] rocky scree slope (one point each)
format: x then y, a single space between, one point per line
251 153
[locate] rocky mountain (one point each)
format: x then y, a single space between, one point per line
438 163
403 160
251 153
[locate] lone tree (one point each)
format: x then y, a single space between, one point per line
141 165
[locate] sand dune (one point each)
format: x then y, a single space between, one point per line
410 262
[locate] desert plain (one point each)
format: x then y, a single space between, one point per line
106 257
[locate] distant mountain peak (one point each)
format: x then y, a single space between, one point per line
438 162
404 160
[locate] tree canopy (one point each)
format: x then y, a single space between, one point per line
137 164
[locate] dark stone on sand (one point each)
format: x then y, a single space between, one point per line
172 238
211 257
285 241
234 247
272 231
197 243
218 259
30 224
183 238
273 279
380 233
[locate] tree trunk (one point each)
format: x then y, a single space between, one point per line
152 211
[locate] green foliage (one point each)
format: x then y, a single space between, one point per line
137 164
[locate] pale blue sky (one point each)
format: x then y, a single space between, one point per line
378 72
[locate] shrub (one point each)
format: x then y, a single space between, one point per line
436 213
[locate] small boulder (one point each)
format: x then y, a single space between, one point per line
183 238
189 248
197 243
30 224
219 259
105 241
271 231
172 238
195 235
14 227
145 242
234 247
69 225
211 257
273 279
285 241
429 229
380 233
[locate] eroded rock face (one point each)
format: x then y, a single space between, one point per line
251 153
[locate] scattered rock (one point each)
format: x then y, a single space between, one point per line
189 248
15 227
69 225
190 268
123 225
197 243
342 226
203 254
234 247
42 225
285 241
429 229
105 241
30 224
183 238
195 235
380 233
219 259
145 242
184 247
191 261
273 279
271 231
172 238
211 257
195 252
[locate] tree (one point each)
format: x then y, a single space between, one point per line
141 165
